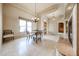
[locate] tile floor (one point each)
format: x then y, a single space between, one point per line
26 47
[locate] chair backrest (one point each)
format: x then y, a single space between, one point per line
5 32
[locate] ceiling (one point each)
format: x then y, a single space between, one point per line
59 13
39 6
31 6
49 10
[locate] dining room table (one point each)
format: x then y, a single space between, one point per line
36 35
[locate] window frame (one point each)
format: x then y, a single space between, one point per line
22 26
26 24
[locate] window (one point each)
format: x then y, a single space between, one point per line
22 25
25 26
29 26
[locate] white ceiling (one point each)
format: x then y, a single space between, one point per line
39 6
48 9
59 13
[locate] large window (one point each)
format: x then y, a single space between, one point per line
25 26
29 26
22 25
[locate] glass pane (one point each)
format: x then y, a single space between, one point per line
29 23
22 29
29 29
29 26
22 23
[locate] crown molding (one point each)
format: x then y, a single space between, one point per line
47 10
50 9
26 10
18 7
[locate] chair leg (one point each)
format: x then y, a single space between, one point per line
13 38
36 41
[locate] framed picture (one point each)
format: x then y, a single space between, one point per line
61 27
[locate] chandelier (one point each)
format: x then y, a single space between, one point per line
35 19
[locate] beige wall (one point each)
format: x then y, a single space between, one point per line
53 26
10 18
0 24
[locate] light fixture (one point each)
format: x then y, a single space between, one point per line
44 20
69 8
35 19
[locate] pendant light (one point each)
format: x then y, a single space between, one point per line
35 19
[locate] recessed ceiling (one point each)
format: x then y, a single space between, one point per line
59 13
50 9
31 6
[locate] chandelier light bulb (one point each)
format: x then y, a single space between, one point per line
69 8
37 18
32 18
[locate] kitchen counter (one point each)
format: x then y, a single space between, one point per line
64 47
